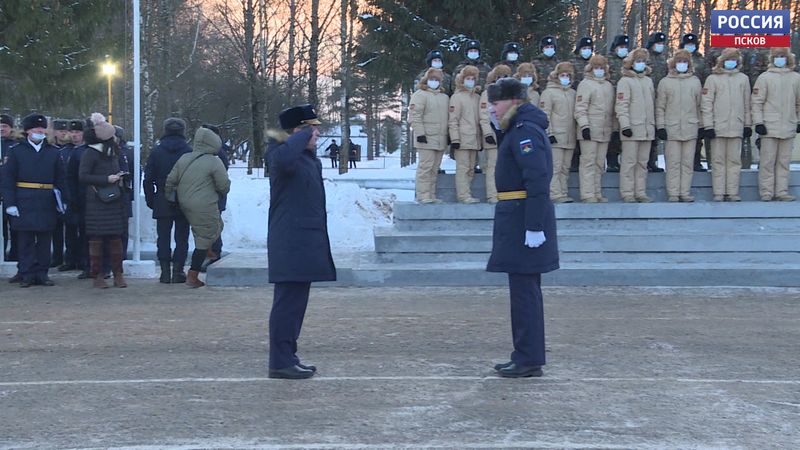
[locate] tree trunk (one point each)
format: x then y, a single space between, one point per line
345 151
614 12
313 54
405 127
290 69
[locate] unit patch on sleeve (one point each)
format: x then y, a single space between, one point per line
526 146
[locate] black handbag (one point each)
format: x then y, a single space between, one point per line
108 194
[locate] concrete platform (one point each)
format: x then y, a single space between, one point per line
167 367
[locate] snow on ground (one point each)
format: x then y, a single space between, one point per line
352 211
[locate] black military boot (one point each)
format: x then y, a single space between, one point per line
178 275
165 275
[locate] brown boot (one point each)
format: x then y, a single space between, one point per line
191 279
96 264
115 252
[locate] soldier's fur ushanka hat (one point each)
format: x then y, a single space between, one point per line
507 89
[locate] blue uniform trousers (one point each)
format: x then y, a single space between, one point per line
164 227
285 321
34 254
58 242
527 319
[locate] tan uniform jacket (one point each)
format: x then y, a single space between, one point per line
635 105
464 121
678 106
558 102
776 102
594 106
428 114
726 103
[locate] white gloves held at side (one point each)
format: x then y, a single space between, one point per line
12 211
534 239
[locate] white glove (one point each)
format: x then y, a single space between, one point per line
534 239
12 211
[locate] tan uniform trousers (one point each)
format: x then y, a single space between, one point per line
680 167
726 165
773 168
427 171
488 170
593 161
633 169
562 159
465 173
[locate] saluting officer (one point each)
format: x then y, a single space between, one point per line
298 246
31 174
524 243
547 60
435 59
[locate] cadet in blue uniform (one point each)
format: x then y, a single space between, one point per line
524 243
77 243
298 247
62 143
31 173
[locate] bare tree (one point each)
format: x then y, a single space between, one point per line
345 78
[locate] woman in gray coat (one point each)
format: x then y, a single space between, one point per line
199 178
106 220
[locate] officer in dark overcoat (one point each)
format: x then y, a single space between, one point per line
7 140
31 173
76 242
298 247
62 142
524 242
160 162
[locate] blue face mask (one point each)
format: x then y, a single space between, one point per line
780 61
730 64
586 53
549 52
564 81
639 66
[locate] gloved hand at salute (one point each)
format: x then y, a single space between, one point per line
534 239
12 211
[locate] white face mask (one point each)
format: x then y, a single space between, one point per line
473 54
512 56
586 53
564 81
659 48
550 51
780 61
433 84
730 64
599 73
37 137
690 48
469 84
682 67
622 52
436 64
527 81
639 66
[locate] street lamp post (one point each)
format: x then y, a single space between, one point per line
109 69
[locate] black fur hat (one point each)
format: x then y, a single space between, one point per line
655 38
76 125
620 40
547 40
507 89
175 126
511 47
34 121
584 42
472 44
688 38
7 119
433 54
60 124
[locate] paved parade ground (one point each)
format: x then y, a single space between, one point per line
156 366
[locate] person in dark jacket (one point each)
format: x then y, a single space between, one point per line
61 140
71 237
30 176
106 221
8 141
126 166
166 153
524 243
77 206
333 153
298 247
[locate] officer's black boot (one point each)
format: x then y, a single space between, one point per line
178 276
165 273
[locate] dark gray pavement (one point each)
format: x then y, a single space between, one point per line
156 366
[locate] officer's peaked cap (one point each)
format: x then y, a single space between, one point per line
298 115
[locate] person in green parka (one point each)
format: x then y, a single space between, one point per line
199 178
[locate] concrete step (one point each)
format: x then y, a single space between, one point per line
656 186
364 270
390 240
